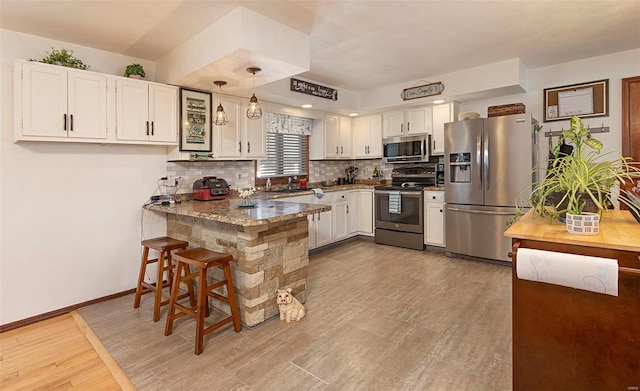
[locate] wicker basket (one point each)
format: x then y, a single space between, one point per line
514 108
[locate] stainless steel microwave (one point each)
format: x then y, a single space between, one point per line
406 149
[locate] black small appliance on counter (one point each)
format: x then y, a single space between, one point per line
210 188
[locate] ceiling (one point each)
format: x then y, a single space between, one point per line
354 44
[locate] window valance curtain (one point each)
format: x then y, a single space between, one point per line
288 124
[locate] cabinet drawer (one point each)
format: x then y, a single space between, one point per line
434 196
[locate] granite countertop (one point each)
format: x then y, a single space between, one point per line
228 211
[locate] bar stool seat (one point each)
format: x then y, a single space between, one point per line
164 246
202 259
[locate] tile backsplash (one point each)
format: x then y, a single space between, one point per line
241 174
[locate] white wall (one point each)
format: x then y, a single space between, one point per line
70 214
614 67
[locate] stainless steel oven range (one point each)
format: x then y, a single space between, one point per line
399 207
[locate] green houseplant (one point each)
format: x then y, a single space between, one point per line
583 181
62 57
134 70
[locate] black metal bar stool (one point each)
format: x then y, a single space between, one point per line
202 259
163 245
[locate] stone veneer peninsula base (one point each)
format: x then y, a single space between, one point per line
269 247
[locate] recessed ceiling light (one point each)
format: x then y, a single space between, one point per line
353 114
307 106
438 101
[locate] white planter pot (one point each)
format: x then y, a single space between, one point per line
583 224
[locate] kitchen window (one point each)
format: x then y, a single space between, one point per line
287 155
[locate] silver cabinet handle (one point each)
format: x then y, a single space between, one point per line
401 128
341 150
152 128
347 209
147 125
71 122
240 146
336 149
408 126
248 146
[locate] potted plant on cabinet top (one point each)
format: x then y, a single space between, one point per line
62 57
582 182
135 71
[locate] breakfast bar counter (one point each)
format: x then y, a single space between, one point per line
268 241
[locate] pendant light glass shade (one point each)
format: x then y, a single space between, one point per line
220 117
254 111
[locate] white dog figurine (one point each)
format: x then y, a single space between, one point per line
290 307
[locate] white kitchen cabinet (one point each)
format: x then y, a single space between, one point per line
441 114
227 139
241 137
412 121
418 120
146 112
360 212
393 124
331 138
321 224
59 104
340 210
434 220
254 137
367 137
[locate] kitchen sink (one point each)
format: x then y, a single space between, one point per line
289 190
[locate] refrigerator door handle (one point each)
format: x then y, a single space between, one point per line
486 179
478 159
480 212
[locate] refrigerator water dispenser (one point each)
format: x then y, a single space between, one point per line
460 167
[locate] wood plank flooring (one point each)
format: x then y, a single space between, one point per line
57 354
378 318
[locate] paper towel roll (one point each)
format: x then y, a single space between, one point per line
576 271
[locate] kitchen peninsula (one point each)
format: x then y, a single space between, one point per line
269 243
574 339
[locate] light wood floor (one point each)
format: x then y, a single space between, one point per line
57 354
378 318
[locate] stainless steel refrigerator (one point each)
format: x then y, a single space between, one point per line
487 164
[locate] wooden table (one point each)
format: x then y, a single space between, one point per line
571 339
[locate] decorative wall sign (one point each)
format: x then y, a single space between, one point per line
195 120
422 91
305 87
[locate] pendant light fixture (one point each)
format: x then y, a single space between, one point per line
254 111
220 117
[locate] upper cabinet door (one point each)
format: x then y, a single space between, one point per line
228 140
44 101
163 113
331 136
418 120
255 139
345 137
393 124
441 115
132 110
375 136
87 105
360 137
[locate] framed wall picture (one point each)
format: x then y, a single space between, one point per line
584 100
195 120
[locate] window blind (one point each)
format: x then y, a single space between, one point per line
286 156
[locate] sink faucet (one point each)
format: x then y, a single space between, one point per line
289 182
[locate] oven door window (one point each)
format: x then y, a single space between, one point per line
410 217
